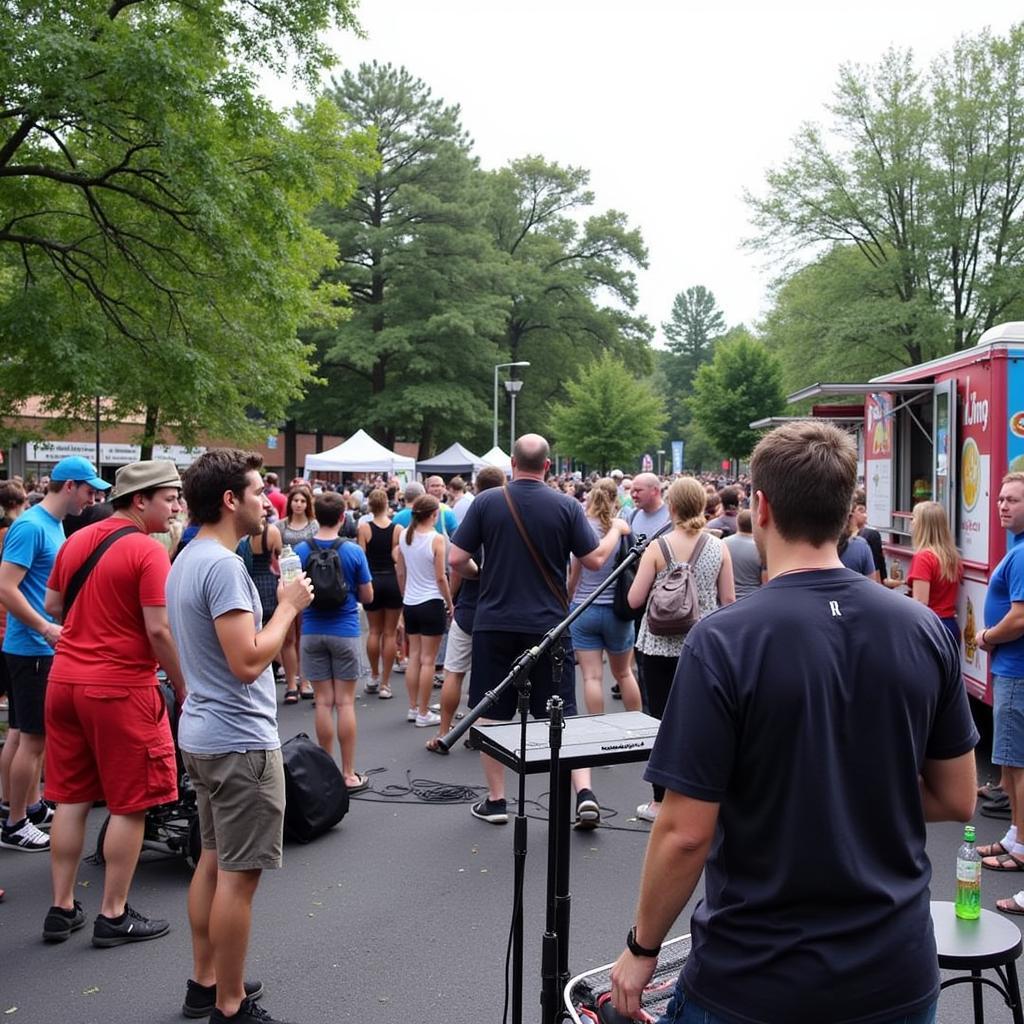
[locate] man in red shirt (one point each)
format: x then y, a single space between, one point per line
108 735
275 494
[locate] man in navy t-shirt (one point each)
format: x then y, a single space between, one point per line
1003 638
519 600
812 729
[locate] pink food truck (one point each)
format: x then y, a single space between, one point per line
945 430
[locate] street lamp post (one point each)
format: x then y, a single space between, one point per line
500 366
513 388
661 460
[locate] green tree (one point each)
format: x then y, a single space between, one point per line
610 416
154 237
741 384
427 285
923 173
572 289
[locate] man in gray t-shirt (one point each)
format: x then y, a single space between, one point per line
228 727
746 562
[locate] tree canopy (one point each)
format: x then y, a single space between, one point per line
155 245
610 416
741 384
922 175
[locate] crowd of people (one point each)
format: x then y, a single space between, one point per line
763 701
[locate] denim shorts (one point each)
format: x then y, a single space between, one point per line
682 1010
600 629
1008 721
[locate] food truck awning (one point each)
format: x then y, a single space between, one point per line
777 421
847 390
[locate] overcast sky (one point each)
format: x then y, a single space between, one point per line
674 110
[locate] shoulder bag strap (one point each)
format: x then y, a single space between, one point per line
77 581
559 594
666 552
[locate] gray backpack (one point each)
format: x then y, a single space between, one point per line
674 606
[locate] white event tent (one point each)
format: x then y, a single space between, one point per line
359 454
496 457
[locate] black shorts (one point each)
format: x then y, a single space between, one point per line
427 619
27 677
386 592
493 655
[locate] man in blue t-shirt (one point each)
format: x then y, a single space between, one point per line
812 730
447 522
30 548
1003 638
330 645
519 600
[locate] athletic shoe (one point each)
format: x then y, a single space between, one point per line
399 668
410 715
494 811
60 923
373 686
616 692
647 812
250 1012
427 720
42 816
438 681
201 1000
23 835
130 927
588 810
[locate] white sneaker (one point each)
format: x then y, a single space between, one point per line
647 812
27 838
411 715
427 720
372 686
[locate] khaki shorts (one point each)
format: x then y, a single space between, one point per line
458 656
241 806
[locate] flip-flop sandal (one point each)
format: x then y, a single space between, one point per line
993 850
1012 905
362 784
291 697
1005 862
435 748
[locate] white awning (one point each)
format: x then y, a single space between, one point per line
851 390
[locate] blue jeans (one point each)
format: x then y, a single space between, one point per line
685 1011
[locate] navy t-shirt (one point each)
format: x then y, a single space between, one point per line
513 596
806 711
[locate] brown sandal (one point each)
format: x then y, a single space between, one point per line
1005 862
992 850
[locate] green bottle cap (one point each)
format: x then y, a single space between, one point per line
968 833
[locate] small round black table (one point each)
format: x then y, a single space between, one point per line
992 942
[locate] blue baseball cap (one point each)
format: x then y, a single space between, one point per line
75 467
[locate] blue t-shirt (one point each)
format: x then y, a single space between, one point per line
857 556
806 711
404 517
1005 586
343 621
32 542
513 596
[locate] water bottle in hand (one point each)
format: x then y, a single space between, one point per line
291 564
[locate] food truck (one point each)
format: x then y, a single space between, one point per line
946 430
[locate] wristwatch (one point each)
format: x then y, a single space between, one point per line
636 949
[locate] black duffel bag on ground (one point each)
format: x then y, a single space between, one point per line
316 797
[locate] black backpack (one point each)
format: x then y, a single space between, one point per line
323 567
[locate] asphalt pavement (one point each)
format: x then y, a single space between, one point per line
401 913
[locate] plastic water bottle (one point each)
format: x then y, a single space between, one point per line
968 878
291 564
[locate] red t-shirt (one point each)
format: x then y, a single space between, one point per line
279 501
105 639
942 592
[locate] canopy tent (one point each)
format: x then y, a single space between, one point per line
359 454
496 457
455 459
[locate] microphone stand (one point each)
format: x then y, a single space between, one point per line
519 676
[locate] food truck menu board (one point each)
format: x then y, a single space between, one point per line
975 460
878 427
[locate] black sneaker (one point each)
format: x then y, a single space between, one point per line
42 816
60 923
616 692
201 1000
588 810
250 1012
24 836
494 811
131 927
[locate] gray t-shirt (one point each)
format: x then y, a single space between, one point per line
648 523
221 714
746 563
